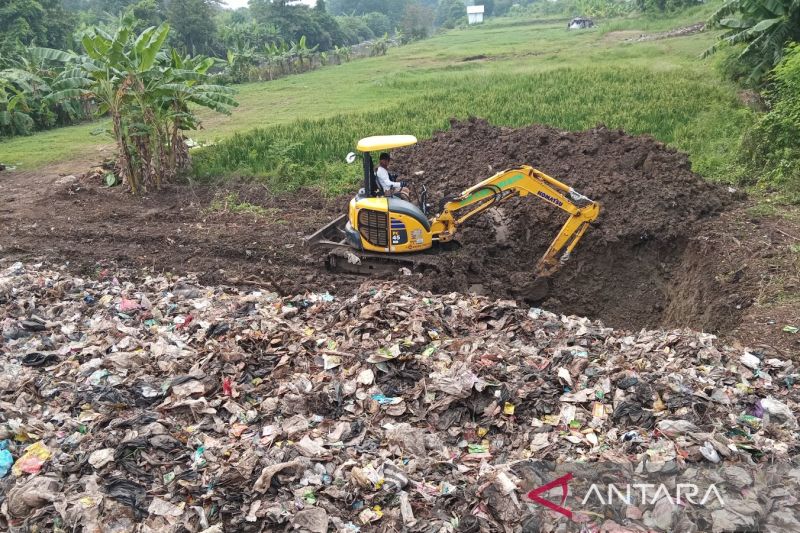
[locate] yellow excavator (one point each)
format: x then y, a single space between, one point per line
386 233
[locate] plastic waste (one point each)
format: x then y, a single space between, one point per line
6 459
155 403
32 459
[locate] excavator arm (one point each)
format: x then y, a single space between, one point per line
522 181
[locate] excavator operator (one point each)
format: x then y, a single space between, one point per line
387 181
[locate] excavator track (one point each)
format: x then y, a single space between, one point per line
338 256
346 260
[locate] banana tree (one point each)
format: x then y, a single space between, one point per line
14 117
240 58
301 51
279 53
380 46
765 26
146 93
173 91
56 71
342 53
27 83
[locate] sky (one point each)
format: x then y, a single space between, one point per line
243 3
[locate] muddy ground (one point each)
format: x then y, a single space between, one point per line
669 248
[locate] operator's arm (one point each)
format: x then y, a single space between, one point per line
386 181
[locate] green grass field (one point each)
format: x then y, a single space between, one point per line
296 131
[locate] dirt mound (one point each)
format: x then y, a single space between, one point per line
622 269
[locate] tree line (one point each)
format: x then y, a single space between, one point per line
208 27
263 41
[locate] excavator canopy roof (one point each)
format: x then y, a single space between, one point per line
385 142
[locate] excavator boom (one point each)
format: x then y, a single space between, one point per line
522 181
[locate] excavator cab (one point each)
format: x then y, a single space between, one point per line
378 223
376 144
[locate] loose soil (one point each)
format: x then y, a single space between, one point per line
669 249
623 268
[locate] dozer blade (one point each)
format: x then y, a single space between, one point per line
330 235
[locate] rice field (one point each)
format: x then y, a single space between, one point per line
684 107
296 131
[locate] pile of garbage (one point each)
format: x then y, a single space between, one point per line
677 32
151 403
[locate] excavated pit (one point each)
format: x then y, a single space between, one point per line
644 263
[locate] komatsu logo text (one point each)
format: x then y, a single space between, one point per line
550 198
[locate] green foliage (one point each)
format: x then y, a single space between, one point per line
33 22
602 8
732 66
15 116
24 93
502 7
147 94
393 9
451 13
294 22
417 22
765 26
146 13
665 5
565 8
378 23
355 29
771 149
193 25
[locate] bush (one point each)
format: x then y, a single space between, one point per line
417 22
564 8
772 147
355 29
451 13
732 66
649 6
602 8
379 24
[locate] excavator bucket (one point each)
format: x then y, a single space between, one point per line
537 289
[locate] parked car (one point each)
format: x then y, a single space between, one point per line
580 23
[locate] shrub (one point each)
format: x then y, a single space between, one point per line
378 23
772 147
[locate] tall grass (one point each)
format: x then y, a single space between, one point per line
685 109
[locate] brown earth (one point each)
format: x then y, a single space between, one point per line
622 269
669 248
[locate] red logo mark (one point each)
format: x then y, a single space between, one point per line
560 482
